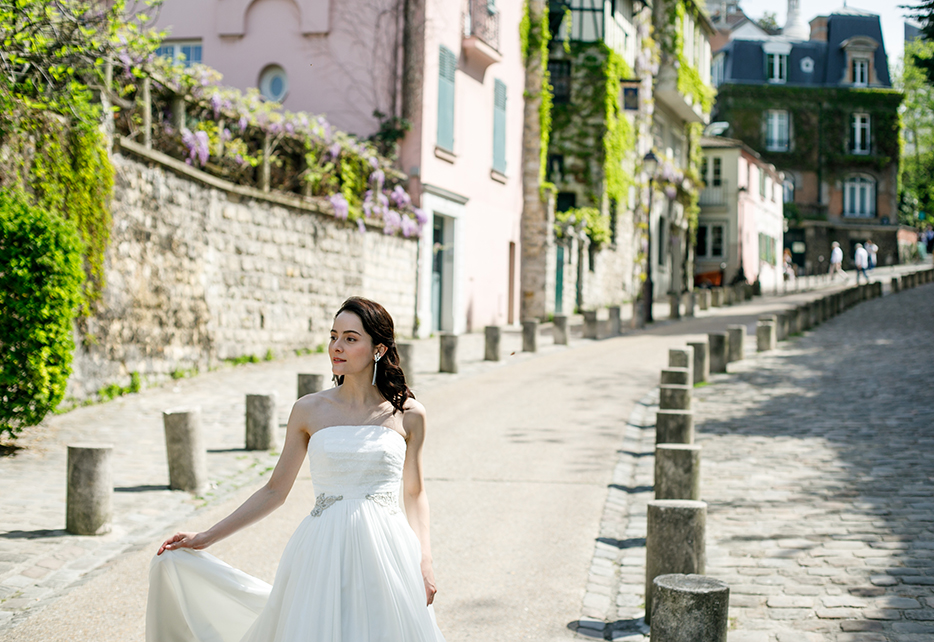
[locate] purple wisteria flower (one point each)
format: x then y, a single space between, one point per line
374 162
361 226
392 221
409 227
671 191
334 150
377 178
198 146
340 205
243 123
216 104
420 215
400 198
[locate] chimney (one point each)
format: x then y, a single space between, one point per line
795 28
819 28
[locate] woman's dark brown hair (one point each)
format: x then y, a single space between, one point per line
390 380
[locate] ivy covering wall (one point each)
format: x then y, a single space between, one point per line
594 136
820 121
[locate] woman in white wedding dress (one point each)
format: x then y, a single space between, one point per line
357 569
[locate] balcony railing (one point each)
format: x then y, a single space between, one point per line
481 20
714 195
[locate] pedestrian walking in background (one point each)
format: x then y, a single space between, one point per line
836 262
929 239
871 249
862 262
789 266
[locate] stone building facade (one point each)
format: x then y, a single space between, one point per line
818 103
199 270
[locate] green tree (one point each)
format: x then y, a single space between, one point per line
769 22
923 12
917 162
40 290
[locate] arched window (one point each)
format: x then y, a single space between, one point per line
859 196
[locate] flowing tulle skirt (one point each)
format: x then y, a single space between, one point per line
350 574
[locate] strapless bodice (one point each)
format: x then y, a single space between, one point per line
356 461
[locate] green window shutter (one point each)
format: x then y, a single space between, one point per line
499 127
448 65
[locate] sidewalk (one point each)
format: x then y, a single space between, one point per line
817 467
39 562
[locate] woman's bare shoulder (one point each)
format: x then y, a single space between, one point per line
311 410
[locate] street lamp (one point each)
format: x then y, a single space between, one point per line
650 166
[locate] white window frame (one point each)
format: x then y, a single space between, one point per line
777 64
859 196
860 72
709 244
861 128
776 120
717 69
177 45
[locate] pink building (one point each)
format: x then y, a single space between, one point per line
455 71
741 223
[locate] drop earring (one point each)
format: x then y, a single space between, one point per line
375 366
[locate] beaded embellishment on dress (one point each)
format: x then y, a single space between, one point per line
386 500
323 501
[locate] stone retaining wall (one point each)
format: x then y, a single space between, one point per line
199 271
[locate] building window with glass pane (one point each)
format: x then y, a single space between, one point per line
776 131
859 196
709 243
860 72
777 65
860 133
560 76
187 52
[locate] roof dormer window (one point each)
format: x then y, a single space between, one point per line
777 67
861 72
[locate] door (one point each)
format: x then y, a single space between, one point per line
437 273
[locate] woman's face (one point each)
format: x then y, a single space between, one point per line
351 349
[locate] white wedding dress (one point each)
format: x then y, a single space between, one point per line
350 573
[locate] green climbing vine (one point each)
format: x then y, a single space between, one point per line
690 81
535 39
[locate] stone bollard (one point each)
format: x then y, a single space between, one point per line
530 336
188 469
590 324
878 288
674 397
804 318
677 471
716 297
719 351
448 354
674 306
674 427
689 608
782 325
677 376
682 358
687 299
701 361
766 337
726 296
737 341
739 292
561 330
261 422
812 314
614 322
674 541
309 384
90 488
407 361
703 299
493 333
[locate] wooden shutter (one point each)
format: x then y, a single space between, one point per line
447 67
499 126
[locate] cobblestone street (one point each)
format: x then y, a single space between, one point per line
817 467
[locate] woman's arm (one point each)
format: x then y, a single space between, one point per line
414 495
268 498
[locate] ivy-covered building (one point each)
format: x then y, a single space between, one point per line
592 151
619 93
818 103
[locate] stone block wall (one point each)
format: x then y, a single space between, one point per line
199 271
